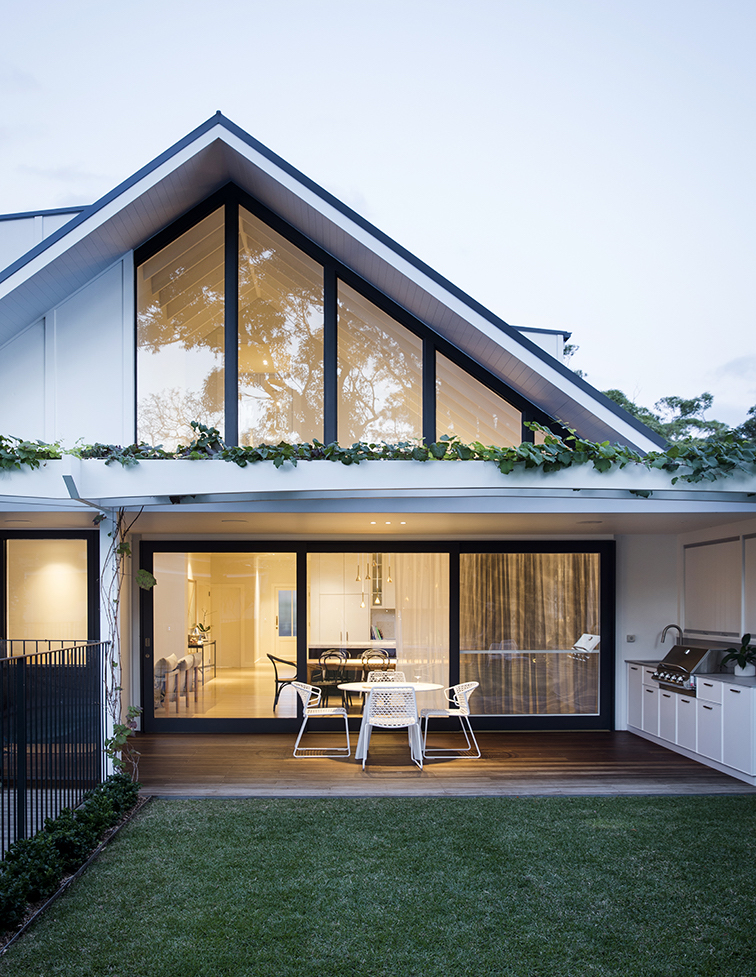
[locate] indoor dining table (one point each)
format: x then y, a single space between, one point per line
367 687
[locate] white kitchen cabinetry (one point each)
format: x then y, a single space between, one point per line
717 727
686 723
713 585
738 728
710 729
337 616
651 710
668 715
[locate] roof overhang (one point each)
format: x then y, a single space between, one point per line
218 152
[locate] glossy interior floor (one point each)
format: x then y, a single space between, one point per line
262 765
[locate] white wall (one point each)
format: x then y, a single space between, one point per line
70 376
648 598
19 234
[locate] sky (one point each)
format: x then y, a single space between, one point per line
581 165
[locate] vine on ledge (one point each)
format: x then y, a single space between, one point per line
692 460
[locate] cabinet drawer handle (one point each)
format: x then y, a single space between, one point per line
633 668
708 707
650 691
686 701
736 691
666 695
708 685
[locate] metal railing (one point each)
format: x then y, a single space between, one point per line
11 647
51 734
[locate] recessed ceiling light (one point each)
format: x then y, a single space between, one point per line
234 520
388 523
402 523
590 522
372 523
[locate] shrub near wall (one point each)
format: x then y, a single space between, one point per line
33 868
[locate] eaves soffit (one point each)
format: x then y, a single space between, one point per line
218 153
436 485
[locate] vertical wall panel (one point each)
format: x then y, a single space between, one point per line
22 392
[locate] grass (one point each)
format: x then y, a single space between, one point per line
532 887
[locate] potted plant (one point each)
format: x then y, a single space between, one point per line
744 657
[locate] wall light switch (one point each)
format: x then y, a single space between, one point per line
630 638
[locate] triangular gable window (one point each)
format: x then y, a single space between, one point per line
244 325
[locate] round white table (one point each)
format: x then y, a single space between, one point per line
360 752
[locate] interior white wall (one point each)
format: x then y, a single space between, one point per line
22 384
648 598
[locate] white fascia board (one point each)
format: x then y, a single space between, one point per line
108 211
219 482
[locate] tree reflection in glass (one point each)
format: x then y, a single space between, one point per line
380 374
180 335
280 338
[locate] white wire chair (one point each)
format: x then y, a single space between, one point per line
460 707
312 709
394 707
386 677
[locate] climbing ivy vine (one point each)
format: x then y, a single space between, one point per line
691 460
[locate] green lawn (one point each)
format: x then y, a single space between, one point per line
533 887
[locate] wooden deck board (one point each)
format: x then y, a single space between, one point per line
262 765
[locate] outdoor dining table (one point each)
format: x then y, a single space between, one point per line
360 752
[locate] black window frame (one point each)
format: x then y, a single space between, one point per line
92 539
231 198
606 549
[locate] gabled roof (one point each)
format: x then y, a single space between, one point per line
219 152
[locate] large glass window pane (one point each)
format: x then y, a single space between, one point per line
280 338
392 602
47 589
180 336
380 374
217 618
521 616
468 409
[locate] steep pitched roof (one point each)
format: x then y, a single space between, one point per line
219 152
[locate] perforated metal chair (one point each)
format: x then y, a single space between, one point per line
394 707
311 707
460 707
386 677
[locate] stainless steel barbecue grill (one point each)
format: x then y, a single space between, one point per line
677 670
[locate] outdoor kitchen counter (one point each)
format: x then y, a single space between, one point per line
746 683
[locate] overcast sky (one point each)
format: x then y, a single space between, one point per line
585 165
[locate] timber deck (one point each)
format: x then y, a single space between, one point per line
519 763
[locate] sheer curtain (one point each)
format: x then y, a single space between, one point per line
422 620
520 615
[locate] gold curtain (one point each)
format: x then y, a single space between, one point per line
520 615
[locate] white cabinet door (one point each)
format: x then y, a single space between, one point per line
634 696
713 584
686 723
710 729
331 619
356 619
651 710
737 728
331 573
668 715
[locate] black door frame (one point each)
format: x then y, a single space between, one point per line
604 720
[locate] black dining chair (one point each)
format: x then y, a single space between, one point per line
281 680
374 660
332 673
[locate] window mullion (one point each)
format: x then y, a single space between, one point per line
231 323
330 355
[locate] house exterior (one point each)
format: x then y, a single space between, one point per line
218 284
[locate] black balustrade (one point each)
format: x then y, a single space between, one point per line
51 732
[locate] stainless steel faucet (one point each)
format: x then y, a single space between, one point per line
668 627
